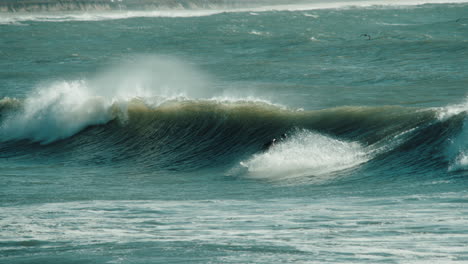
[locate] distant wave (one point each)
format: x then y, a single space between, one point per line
70 11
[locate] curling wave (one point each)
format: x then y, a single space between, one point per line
160 114
186 134
306 153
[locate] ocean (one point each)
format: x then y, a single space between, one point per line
144 134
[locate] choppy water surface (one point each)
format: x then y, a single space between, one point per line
138 136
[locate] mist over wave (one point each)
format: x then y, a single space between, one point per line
458 150
61 109
56 113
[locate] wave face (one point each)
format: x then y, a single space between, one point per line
160 113
183 134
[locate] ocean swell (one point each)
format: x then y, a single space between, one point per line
186 134
161 113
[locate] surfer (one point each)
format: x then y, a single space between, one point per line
269 144
274 141
283 137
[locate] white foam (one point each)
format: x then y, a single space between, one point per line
306 154
259 33
427 227
313 39
61 109
311 15
56 112
15 18
458 148
238 99
461 162
395 24
444 113
12 18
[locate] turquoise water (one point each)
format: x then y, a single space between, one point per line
131 136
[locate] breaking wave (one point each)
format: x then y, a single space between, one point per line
15 12
183 133
306 153
161 114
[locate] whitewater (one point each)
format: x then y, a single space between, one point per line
229 131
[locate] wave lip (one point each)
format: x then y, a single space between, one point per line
62 109
458 150
56 113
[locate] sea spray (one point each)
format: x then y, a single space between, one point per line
305 153
61 109
56 112
147 75
458 149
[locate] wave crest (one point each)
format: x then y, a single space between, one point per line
62 109
56 113
306 153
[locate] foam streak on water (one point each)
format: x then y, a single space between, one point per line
348 230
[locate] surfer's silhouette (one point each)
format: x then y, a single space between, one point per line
283 137
273 142
269 144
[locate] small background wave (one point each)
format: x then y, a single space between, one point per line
94 10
